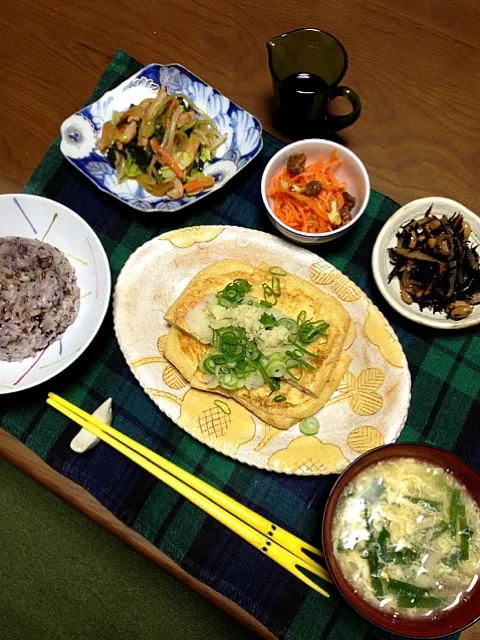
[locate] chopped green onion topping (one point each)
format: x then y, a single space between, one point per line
234 358
310 330
276 288
465 532
290 324
303 350
309 426
419 602
278 271
453 512
234 293
276 367
433 504
279 398
297 356
273 290
274 384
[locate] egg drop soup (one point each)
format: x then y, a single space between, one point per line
406 536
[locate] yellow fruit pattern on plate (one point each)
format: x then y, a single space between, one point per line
215 420
345 289
140 362
161 343
268 433
307 454
350 337
361 391
378 333
156 393
173 378
364 438
322 273
187 237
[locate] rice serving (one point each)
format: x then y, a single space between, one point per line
39 297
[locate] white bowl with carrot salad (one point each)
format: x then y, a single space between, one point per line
315 190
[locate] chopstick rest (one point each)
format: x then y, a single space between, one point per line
85 440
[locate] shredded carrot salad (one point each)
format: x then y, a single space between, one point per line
309 197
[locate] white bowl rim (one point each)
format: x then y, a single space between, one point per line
106 299
339 147
394 221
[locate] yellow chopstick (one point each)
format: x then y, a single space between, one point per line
263 537
281 536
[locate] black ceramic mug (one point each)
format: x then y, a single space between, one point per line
307 66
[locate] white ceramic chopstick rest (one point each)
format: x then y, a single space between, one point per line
84 440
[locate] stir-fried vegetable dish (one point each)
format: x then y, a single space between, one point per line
407 536
310 198
163 143
438 268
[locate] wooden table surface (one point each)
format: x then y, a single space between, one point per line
415 64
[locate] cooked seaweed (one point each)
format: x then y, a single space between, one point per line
437 267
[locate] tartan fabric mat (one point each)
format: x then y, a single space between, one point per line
444 411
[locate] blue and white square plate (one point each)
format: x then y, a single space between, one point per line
81 130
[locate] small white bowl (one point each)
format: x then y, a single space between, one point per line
351 171
381 266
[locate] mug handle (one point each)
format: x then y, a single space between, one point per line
335 123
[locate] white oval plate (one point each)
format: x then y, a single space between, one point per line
368 409
34 217
381 264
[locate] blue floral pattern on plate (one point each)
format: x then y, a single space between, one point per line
79 134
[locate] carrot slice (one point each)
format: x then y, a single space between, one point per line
302 212
199 183
166 158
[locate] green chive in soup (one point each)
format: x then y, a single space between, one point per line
406 536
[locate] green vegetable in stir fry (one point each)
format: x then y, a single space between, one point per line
163 144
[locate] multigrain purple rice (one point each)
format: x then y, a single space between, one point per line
39 297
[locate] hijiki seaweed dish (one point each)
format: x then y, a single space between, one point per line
437 266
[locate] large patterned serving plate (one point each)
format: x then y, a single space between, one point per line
80 132
368 409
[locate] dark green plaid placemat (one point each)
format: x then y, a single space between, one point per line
444 409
